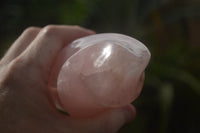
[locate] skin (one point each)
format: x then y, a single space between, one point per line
25 104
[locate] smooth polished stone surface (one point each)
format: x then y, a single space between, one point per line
99 72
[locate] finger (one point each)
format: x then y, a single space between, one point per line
51 39
20 44
108 122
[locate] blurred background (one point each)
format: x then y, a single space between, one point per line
170 100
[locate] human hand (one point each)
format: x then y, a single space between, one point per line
25 104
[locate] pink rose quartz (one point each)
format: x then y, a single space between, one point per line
98 72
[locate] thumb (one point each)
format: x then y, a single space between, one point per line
108 122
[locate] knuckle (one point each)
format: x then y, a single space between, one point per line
49 30
21 65
31 30
16 64
19 68
77 27
82 29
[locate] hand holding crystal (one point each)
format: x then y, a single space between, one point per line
26 104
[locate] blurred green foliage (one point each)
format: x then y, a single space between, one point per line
170 99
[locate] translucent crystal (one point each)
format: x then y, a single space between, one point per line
98 72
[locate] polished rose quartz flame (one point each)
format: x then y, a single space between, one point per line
99 72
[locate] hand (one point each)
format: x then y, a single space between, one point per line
25 104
